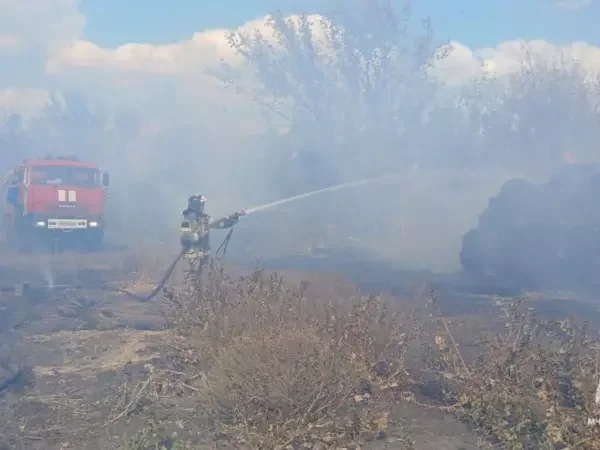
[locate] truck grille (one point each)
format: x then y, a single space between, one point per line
70 224
69 208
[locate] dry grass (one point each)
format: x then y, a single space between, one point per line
145 264
259 363
532 386
272 369
267 368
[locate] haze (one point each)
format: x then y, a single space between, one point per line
325 99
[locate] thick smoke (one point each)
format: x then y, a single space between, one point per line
356 97
351 96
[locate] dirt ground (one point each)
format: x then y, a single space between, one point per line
84 351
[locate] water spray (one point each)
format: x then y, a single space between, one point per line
318 191
47 272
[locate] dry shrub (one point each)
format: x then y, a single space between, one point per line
533 385
275 369
281 377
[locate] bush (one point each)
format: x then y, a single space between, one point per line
271 368
532 386
266 366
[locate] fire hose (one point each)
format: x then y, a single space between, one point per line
166 276
159 286
145 298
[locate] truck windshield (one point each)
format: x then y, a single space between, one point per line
68 176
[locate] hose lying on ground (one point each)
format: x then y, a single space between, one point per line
145 298
103 287
159 286
142 298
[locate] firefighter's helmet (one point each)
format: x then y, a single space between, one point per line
196 202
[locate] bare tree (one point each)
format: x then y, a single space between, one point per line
350 86
531 118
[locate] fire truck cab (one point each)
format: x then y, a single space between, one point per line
54 200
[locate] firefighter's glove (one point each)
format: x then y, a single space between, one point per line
236 216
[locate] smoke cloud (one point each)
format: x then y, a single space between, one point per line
306 102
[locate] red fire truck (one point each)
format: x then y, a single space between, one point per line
54 201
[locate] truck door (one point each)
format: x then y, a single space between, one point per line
12 193
12 189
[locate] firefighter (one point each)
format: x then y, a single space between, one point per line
196 226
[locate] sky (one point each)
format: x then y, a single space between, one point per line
483 23
150 55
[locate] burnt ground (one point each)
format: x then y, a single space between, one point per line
83 352
457 294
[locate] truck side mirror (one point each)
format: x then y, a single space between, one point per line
105 179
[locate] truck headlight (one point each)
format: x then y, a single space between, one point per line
40 224
93 224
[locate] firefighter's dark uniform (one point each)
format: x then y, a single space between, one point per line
196 226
